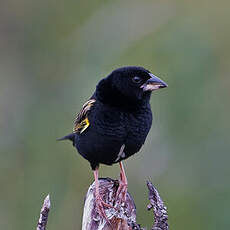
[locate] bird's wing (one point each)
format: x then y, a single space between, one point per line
81 122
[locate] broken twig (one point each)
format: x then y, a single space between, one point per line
42 222
159 210
121 217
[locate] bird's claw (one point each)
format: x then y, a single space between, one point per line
121 193
100 204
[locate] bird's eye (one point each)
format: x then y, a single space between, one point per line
136 79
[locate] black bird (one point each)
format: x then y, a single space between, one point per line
113 124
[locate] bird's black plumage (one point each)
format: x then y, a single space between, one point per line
114 123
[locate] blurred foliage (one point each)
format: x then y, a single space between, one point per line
52 55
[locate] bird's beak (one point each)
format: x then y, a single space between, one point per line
153 83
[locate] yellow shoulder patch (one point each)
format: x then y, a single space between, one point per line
83 125
82 122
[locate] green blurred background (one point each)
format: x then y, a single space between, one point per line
52 54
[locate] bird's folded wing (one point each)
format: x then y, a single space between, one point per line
81 122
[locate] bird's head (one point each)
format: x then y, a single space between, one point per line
129 84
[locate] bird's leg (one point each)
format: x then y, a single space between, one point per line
123 186
100 204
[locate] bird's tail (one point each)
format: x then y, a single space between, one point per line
70 137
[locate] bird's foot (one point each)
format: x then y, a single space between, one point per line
121 193
100 206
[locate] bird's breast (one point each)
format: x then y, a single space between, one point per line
138 125
109 122
123 125
111 130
